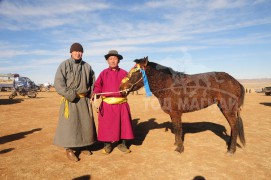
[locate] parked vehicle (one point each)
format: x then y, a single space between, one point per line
45 87
267 91
258 90
7 81
23 86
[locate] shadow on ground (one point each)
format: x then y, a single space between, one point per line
17 136
10 101
266 103
85 177
141 129
6 150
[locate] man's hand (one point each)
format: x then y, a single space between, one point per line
93 96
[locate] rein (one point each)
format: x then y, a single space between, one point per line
146 85
143 77
134 84
125 90
97 94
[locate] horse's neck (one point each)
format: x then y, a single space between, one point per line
158 80
164 79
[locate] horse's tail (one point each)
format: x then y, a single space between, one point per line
242 96
240 128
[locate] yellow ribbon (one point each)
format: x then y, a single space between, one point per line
66 107
114 100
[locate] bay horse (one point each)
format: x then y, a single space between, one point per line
180 93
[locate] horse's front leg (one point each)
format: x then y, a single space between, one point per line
178 131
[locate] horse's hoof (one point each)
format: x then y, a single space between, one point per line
230 152
179 149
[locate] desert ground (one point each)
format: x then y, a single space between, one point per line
27 128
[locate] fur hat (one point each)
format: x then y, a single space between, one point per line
113 53
76 47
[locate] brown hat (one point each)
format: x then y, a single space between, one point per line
113 53
76 47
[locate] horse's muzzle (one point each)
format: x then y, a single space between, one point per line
126 89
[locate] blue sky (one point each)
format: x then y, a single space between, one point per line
191 36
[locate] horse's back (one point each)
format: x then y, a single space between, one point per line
221 84
216 79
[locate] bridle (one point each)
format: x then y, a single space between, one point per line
135 69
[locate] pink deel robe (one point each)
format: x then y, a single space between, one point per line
114 120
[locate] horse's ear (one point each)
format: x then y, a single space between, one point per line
145 61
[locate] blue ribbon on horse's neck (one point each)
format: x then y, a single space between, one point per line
146 83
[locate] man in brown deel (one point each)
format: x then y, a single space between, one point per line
74 82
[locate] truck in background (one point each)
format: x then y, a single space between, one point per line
7 81
18 85
23 86
267 91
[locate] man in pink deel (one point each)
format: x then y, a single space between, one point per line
114 118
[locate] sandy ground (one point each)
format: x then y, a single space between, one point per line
27 128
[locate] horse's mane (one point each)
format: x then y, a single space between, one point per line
165 69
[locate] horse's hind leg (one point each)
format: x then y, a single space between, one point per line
231 117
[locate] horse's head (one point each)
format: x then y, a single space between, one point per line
133 81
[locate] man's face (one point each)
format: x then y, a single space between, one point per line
77 55
113 61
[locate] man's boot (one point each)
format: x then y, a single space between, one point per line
71 156
123 148
107 148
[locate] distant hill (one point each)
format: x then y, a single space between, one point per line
255 83
261 80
